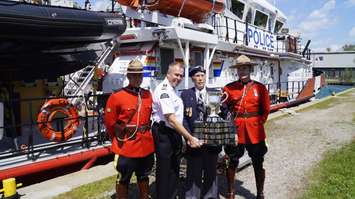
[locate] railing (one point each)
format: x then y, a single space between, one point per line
78 82
235 31
284 91
24 134
231 31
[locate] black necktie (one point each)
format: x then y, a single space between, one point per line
200 104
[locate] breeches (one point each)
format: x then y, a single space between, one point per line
255 151
125 167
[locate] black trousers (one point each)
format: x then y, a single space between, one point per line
201 179
168 149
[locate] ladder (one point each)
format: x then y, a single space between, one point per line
299 45
78 83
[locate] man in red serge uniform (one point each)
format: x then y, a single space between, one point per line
249 102
127 119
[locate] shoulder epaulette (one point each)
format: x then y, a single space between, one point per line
164 87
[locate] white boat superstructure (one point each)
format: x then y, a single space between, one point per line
251 27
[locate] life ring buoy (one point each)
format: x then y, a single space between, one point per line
46 116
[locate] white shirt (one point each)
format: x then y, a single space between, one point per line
167 101
203 93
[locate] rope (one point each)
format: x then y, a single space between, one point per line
182 6
138 117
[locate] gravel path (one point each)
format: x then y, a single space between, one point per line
296 143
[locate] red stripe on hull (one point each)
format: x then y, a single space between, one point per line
57 162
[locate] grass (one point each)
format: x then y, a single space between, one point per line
321 105
334 177
348 93
95 189
92 190
329 102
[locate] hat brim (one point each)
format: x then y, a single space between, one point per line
243 64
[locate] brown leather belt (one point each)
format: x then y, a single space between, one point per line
248 115
141 129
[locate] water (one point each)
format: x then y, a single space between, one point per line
329 89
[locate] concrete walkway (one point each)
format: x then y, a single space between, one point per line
56 186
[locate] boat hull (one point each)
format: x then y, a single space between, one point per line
196 10
44 41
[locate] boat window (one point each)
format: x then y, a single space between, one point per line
321 58
197 58
260 19
166 58
238 8
278 26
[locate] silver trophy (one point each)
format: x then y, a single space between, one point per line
212 129
215 98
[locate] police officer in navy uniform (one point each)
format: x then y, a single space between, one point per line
167 131
127 120
249 101
201 179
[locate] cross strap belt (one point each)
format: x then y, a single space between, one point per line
142 128
248 114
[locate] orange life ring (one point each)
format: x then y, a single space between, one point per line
46 116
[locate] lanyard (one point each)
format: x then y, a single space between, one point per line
246 89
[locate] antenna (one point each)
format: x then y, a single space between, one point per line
87 5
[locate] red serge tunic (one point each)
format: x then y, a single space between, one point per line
119 108
251 105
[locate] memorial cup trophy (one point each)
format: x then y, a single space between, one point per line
212 129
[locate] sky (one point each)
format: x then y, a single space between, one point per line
327 23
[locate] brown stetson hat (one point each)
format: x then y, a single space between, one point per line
243 60
135 66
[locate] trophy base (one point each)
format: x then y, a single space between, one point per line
215 131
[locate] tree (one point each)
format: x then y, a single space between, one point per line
349 47
347 75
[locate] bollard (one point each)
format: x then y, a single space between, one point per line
9 188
